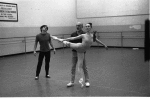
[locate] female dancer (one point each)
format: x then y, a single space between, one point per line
87 40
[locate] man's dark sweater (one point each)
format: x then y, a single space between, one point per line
78 40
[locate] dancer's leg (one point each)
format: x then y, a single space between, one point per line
61 40
73 69
47 61
85 70
39 65
74 62
77 46
80 66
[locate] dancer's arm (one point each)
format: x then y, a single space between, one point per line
51 44
100 42
73 38
35 46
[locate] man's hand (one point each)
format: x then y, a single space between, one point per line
34 53
106 47
54 51
94 31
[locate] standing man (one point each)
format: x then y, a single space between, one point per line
44 40
79 31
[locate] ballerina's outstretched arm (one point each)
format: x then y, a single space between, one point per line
100 42
74 38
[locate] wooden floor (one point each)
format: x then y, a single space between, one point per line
114 72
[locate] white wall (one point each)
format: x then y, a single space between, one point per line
33 13
59 15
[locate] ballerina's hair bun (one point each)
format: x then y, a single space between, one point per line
90 24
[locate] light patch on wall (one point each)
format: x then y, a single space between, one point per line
137 27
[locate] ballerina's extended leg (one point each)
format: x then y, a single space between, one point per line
80 65
61 40
56 38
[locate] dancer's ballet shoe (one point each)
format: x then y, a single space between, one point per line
66 43
54 37
81 82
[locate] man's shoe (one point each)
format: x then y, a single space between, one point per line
47 76
36 78
70 84
87 84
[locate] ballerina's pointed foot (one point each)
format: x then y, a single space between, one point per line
66 43
56 38
81 82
